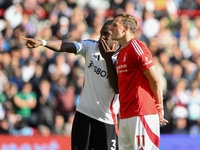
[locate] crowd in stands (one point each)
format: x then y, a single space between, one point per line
40 89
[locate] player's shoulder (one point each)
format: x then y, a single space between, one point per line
88 41
88 45
137 42
139 46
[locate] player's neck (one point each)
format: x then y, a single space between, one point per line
126 40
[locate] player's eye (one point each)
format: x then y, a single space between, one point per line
106 33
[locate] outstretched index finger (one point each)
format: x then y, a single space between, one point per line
24 38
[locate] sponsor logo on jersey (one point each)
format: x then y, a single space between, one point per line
98 70
122 68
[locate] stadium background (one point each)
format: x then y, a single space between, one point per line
170 29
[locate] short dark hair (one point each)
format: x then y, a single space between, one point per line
129 20
108 23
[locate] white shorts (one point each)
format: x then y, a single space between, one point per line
139 133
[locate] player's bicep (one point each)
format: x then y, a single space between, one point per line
68 47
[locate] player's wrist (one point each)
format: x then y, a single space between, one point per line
44 42
159 107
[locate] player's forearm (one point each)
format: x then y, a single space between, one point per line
157 91
54 45
61 46
155 84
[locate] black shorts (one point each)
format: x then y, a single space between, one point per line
88 134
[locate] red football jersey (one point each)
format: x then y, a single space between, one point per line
135 95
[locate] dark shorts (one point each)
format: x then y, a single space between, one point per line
88 134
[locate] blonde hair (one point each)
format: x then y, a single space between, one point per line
129 20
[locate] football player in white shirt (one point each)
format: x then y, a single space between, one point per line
95 123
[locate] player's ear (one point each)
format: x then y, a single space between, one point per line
126 28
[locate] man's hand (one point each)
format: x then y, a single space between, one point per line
162 120
105 50
32 43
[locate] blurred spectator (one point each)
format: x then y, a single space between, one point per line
195 38
16 42
183 36
76 78
3 80
29 6
164 60
150 25
4 126
174 77
161 73
180 99
6 64
10 95
28 70
45 104
6 98
67 128
20 127
65 98
62 8
4 45
54 21
164 33
194 102
195 129
17 78
37 78
180 126
47 58
14 61
60 67
63 28
154 46
14 15
49 5
177 55
24 102
59 125
25 54
28 26
44 131
3 98
190 70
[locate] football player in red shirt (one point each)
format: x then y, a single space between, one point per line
140 91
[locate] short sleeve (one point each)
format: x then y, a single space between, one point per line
144 58
82 48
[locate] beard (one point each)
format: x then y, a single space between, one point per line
116 38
